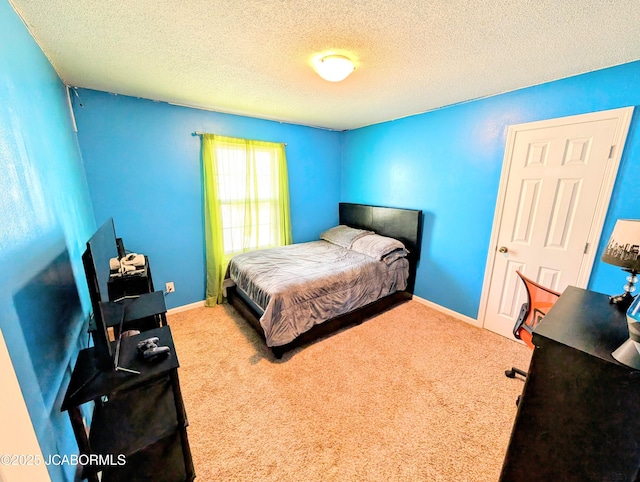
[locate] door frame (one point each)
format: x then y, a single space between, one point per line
623 115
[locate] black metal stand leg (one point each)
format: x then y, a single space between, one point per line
515 371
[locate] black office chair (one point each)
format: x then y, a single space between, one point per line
540 299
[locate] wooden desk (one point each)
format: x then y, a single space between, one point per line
140 417
579 415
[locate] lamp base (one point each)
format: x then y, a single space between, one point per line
628 354
622 301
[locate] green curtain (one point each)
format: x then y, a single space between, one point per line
246 202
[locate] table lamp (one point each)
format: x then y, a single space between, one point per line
629 352
623 250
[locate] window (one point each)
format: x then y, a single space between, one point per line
241 182
246 201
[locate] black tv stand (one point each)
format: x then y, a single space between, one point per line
139 426
138 431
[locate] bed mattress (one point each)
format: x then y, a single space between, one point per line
300 285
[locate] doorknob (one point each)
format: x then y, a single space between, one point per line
503 249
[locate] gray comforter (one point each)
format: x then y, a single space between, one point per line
301 285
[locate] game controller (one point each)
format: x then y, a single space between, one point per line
149 348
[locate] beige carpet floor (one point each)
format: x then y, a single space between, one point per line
411 394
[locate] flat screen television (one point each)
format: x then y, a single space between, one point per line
101 247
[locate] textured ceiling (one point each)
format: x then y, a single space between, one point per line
253 57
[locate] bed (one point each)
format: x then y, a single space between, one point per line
362 273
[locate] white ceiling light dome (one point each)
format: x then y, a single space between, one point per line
333 67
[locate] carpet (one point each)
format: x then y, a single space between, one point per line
411 394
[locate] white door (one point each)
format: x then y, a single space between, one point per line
555 188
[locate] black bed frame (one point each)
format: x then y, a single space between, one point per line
402 224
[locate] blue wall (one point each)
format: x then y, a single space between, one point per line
143 169
447 163
46 219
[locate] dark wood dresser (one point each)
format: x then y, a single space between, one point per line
579 415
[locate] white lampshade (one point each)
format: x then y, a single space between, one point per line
623 248
333 68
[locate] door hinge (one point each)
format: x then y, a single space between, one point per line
611 151
586 248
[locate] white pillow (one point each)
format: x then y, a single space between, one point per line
344 235
378 246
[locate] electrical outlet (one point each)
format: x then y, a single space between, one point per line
169 287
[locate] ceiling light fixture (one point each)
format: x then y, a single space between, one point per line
333 67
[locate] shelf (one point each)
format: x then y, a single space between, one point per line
140 416
88 383
132 420
144 466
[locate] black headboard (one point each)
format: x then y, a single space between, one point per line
402 224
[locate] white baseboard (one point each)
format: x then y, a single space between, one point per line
430 304
455 314
190 306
